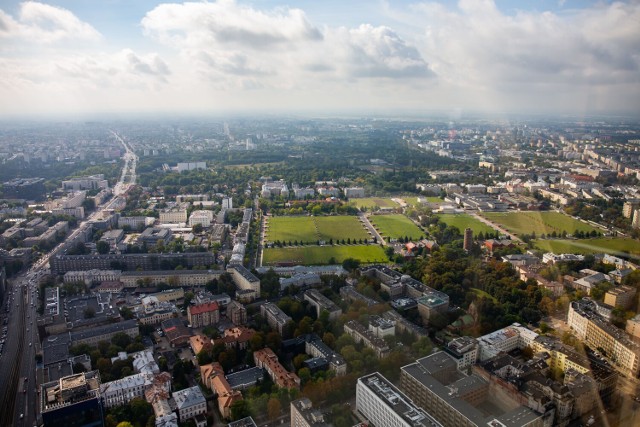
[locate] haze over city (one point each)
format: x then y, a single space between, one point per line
75 58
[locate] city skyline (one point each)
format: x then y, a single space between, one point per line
69 58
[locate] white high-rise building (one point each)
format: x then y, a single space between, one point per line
386 406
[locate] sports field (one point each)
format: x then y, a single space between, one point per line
314 255
463 221
528 222
372 202
396 226
308 229
613 246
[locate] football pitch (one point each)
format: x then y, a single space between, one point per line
529 222
396 226
311 229
315 255
464 221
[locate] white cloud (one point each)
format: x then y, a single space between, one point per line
240 46
477 45
39 23
227 23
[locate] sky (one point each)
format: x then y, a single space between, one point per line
86 57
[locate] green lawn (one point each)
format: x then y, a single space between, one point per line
371 202
463 221
291 228
396 226
610 245
313 255
340 227
528 222
482 294
309 229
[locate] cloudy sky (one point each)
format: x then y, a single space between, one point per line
124 56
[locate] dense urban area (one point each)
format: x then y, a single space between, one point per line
315 272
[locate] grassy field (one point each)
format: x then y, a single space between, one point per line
309 229
396 226
462 221
482 294
613 246
340 227
371 202
291 228
322 254
528 222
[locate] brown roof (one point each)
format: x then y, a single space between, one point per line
203 308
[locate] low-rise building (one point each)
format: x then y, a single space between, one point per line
322 303
105 333
212 376
268 360
360 334
621 296
190 403
275 317
303 414
120 392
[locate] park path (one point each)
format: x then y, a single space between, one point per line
371 228
496 226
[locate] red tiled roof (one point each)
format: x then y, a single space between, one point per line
203 308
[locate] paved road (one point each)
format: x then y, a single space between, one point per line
18 358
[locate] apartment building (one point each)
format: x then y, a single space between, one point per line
268 360
320 303
175 214
360 334
596 332
275 317
244 279
201 315
237 313
212 376
621 296
190 403
187 278
120 392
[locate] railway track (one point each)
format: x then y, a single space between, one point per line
9 396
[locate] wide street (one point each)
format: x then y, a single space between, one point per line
18 362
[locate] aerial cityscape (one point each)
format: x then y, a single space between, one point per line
243 214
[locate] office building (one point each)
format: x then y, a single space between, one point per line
384 405
304 415
455 399
73 400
